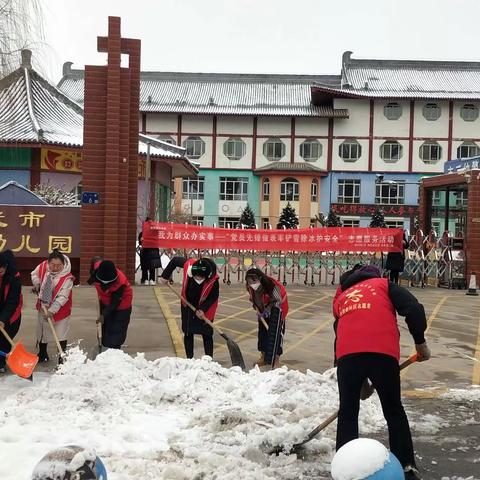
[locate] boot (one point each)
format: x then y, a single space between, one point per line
42 353
411 473
63 345
261 360
276 363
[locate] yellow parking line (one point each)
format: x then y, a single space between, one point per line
175 333
308 335
476 366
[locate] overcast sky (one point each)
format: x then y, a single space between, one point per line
262 36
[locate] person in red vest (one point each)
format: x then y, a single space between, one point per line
11 301
268 297
367 347
199 287
115 297
53 283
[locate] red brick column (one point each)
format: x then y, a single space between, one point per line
473 226
110 154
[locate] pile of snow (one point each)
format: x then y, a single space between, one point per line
171 418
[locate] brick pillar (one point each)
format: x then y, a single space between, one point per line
473 226
110 153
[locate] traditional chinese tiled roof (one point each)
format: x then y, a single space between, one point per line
12 193
297 167
405 79
221 94
34 111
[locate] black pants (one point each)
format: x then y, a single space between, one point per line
114 328
148 273
207 344
262 341
11 329
384 373
394 276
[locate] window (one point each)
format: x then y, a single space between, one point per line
392 111
391 151
432 111
289 190
266 189
195 147
196 221
234 148
469 112
394 223
461 198
167 139
390 194
350 150
314 191
430 152
436 227
350 222
311 150
313 223
265 223
228 222
234 188
348 191
193 188
274 149
436 198
467 149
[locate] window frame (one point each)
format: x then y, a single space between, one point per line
196 141
469 107
350 144
428 111
430 145
388 146
167 139
197 190
233 221
389 109
265 221
235 141
310 142
234 182
274 142
388 199
350 222
348 182
285 195
265 190
314 190
468 145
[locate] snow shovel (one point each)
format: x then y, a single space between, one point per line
20 362
233 348
296 447
99 339
61 353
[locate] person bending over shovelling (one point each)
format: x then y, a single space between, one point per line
367 346
115 297
200 288
11 301
53 283
268 297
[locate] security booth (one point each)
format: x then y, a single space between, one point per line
450 206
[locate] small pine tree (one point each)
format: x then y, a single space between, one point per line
378 219
288 218
247 218
333 220
321 219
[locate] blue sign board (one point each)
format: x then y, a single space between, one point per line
90 198
453 166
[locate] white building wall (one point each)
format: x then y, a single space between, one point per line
262 160
311 126
418 165
224 162
425 128
358 122
206 159
227 208
383 127
381 165
161 123
274 126
234 125
197 124
360 165
321 162
461 128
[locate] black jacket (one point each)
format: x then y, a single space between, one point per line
9 304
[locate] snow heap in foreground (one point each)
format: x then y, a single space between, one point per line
171 418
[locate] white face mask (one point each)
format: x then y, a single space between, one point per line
255 285
199 280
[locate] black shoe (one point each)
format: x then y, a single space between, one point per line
42 353
411 473
43 358
3 370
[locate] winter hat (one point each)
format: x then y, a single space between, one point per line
371 270
106 272
202 268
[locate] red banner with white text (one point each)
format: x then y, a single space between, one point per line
329 239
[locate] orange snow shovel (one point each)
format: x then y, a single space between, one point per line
20 362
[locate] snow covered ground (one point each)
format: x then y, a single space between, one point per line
175 419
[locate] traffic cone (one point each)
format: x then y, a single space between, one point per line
472 287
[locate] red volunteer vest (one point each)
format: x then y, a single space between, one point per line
18 310
66 310
266 298
366 319
106 296
206 288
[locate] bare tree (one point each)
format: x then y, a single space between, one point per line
21 26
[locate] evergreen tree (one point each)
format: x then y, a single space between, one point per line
321 219
288 218
378 219
333 220
247 218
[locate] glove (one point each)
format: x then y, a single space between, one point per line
2 325
423 352
367 390
163 281
200 314
100 319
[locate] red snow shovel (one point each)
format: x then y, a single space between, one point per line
297 446
20 362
